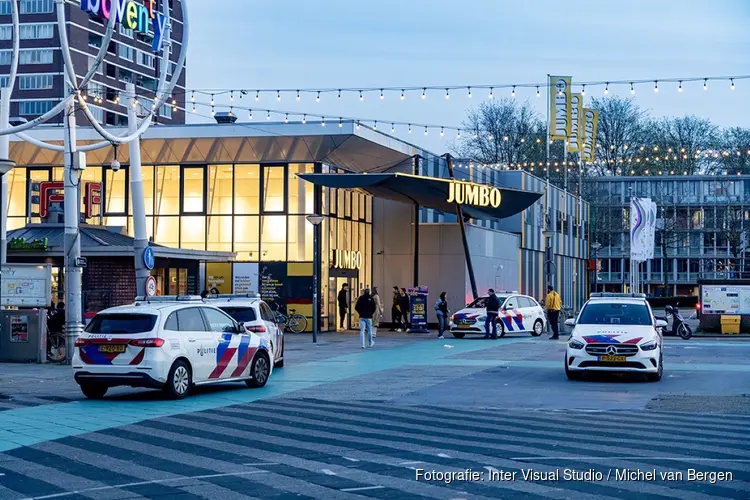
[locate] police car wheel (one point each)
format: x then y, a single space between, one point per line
538 328
94 391
500 329
571 374
260 371
280 363
459 335
179 381
655 377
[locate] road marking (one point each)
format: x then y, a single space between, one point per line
328 472
144 483
412 462
351 459
257 464
682 459
443 455
490 468
363 488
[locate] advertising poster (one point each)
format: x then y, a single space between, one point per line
418 309
245 277
219 276
726 299
561 109
272 278
19 329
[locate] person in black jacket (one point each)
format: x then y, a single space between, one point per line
343 300
396 311
403 302
365 307
493 310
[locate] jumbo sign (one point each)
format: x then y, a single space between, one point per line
346 259
131 15
465 193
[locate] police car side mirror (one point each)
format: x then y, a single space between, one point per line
570 322
660 323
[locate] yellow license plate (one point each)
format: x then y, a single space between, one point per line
464 327
113 348
611 359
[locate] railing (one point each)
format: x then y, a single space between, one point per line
725 275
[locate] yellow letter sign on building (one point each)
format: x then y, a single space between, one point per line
467 193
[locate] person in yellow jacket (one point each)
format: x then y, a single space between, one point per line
553 303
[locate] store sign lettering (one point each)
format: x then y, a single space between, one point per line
346 259
465 193
131 15
54 192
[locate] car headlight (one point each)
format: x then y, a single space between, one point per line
649 346
575 344
481 319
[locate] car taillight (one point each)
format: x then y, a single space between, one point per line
147 342
82 342
256 329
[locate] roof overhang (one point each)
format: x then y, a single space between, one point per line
435 193
351 147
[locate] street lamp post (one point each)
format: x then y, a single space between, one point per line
596 246
316 220
548 263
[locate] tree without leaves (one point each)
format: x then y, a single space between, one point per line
676 142
621 126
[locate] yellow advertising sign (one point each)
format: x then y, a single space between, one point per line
468 193
560 107
590 123
576 123
219 276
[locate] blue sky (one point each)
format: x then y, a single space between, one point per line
333 43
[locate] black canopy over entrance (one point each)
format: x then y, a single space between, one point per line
427 192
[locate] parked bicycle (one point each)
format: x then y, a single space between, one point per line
294 322
56 350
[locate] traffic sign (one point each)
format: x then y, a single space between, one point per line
150 286
148 258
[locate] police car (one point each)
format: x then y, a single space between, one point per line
257 317
518 313
615 333
169 343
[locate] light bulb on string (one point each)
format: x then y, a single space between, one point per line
513 92
632 89
393 128
447 94
606 88
458 136
492 95
425 131
375 126
268 116
304 119
317 99
402 95
212 99
231 96
424 93
192 97
583 90
656 86
278 95
679 89
250 114
323 121
469 89
410 128
286 118
193 107
382 95
537 91
341 123
442 132
231 109
732 85
705 84
257 95
357 125
361 97
339 93
298 95
213 111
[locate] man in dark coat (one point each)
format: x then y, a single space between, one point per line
343 300
403 302
493 310
396 311
365 307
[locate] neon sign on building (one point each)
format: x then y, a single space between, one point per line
131 15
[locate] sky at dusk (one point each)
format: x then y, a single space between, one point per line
272 44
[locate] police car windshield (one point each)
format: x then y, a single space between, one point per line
240 314
614 314
121 323
481 302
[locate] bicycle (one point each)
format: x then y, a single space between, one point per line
56 350
295 323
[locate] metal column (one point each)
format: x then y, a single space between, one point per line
416 231
136 196
467 254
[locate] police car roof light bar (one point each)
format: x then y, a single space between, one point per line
620 295
231 296
170 298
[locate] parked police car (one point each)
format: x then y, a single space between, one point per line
615 332
170 343
257 317
518 313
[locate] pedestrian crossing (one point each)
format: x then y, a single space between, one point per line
319 449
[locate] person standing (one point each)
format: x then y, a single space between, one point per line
403 303
378 311
343 300
553 304
396 311
441 310
365 307
493 310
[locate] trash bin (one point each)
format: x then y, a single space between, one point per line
730 324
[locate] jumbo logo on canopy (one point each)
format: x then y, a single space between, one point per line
465 193
131 15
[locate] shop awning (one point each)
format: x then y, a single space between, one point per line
428 192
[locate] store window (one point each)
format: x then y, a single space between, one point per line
167 231
219 232
274 189
17 192
220 190
246 237
91 174
300 239
167 199
301 192
193 190
115 185
247 189
148 189
273 238
193 232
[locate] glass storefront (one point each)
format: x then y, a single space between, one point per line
256 210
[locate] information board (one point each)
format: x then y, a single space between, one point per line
725 299
272 278
418 309
26 285
244 277
19 329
